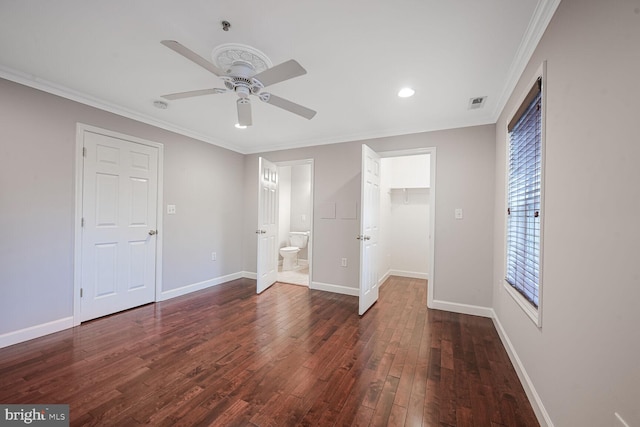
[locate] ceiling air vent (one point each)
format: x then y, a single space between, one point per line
475 103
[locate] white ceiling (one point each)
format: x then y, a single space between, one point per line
357 53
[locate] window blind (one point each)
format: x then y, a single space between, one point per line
523 197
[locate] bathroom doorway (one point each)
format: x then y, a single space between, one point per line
295 215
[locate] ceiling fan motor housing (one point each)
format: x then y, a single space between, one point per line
239 79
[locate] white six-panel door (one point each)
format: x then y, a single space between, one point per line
369 229
119 211
267 231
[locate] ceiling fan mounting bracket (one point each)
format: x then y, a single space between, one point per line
229 54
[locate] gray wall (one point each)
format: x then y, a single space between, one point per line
37 198
585 361
465 178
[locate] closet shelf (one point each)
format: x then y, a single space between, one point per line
407 188
405 191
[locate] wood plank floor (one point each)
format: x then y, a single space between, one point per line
291 356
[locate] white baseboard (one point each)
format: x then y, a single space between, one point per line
384 278
165 295
337 289
249 275
26 334
541 413
410 274
474 310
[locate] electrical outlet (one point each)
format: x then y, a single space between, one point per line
458 213
214 256
344 262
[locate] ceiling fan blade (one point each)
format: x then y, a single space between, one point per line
285 71
193 93
285 104
244 112
193 57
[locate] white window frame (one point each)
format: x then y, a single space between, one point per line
535 314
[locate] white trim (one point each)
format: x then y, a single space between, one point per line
37 331
532 36
534 398
538 24
535 314
620 421
410 274
77 226
101 104
81 128
336 289
384 278
250 275
454 307
194 287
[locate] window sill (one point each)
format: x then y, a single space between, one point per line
531 311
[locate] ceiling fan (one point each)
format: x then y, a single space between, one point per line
243 77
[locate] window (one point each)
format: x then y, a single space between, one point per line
524 200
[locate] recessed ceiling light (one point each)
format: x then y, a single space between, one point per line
239 126
406 92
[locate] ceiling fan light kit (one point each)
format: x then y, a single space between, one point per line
245 71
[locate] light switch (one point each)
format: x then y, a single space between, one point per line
171 209
458 213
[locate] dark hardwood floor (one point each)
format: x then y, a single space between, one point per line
291 356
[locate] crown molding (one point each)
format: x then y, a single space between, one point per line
367 136
82 98
537 26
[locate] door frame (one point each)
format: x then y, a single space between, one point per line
432 210
81 128
310 241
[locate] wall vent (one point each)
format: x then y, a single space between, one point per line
475 103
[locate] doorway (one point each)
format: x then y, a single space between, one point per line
295 215
117 245
407 215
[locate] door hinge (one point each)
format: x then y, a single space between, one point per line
84 151
80 292
81 222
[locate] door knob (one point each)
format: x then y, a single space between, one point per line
152 232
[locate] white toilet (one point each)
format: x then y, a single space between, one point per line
297 241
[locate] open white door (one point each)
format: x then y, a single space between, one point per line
267 231
119 211
369 228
